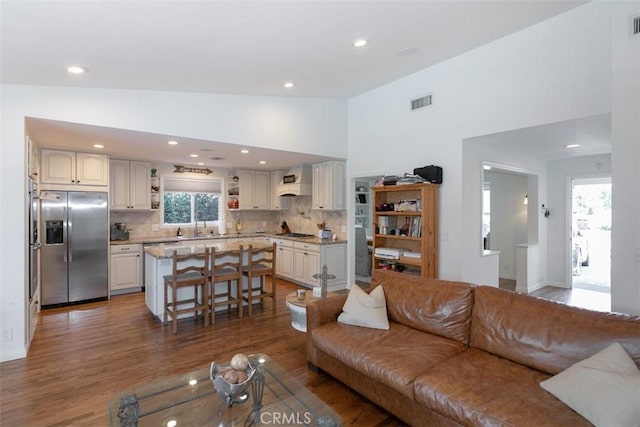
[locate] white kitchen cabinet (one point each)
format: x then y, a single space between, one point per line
126 268
328 187
130 185
70 168
277 203
299 261
306 263
254 189
33 160
284 258
34 309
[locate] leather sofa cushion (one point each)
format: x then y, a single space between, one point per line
477 388
546 335
439 307
394 357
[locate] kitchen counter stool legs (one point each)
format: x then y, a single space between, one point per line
188 271
226 267
261 263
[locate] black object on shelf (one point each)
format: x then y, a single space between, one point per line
384 207
390 180
431 173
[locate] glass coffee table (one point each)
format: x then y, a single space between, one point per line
191 400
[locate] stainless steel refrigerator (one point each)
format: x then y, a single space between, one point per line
34 240
75 247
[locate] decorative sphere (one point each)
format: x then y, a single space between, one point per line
240 362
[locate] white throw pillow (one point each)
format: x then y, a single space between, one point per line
362 309
605 388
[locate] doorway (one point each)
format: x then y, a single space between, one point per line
591 234
363 214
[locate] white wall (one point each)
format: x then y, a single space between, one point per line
315 126
508 218
625 159
557 70
559 173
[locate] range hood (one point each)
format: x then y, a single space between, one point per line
296 182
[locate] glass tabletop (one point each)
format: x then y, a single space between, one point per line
191 400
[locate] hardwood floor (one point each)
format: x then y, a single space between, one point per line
83 355
584 298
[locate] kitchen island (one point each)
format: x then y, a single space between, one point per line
159 263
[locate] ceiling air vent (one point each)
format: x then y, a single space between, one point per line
635 25
217 158
421 102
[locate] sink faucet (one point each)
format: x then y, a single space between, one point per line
196 233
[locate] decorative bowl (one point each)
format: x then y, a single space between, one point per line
231 393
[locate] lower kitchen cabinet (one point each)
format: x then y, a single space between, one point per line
300 261
126 269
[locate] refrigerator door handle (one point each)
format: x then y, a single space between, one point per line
69 232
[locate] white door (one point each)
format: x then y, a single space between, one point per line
119 184
58 167
140 185
125 271
262 190
92 169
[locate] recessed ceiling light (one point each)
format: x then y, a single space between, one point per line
201 163
172 142
262 162
360 43
98 146
572 146
193 155
75 69
244 151
288 85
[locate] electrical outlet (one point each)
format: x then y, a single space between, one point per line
6 334
264 224
343 229
155 227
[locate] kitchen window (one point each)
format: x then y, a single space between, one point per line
185 201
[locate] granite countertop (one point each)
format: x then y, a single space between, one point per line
165 250
208 238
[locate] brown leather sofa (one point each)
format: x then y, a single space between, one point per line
459 354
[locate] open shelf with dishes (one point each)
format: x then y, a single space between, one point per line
363 205
405 226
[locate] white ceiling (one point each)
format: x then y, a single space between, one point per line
547 142
241 47
132 145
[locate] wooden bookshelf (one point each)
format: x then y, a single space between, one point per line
409 224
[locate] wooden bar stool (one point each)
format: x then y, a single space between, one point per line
261 263
190 270
226 266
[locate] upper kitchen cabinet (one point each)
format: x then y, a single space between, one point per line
130 185
254 189
33 160
70 168
277 202
329 180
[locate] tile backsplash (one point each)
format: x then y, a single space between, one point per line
299 217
